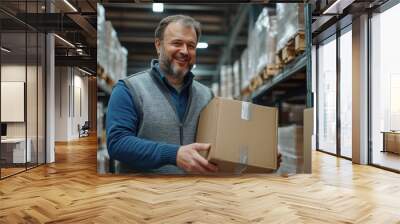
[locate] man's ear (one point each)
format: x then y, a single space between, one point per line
157 44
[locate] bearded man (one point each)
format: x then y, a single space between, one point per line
152 115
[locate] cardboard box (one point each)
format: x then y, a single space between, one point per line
243 136
295 145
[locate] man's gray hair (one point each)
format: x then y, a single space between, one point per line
185 20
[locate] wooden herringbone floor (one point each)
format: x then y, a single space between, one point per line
70 191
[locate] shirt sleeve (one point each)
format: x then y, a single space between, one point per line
122 142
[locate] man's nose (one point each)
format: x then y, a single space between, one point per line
184 49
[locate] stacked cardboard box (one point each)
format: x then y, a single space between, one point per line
290 141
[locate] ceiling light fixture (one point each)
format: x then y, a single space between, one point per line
338 6
5 50
158 7
71 6
64 40
202 45
84 71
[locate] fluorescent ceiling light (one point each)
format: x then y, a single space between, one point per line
5 49
158 7
65 41
84 71
202 45
71 6
338 6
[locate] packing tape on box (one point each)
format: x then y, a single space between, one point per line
246 111
243 157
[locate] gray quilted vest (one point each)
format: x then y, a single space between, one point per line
158 118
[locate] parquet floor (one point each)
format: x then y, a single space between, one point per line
70 191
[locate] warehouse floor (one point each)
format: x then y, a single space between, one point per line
387 159
71 191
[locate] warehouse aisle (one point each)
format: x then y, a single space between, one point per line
71 191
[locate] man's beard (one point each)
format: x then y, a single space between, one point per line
171 68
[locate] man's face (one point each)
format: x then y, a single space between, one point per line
177 51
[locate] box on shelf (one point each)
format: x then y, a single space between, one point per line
214 88
100 33
226 81
243 136
244 61
295 143
236 78
262 43
111 55
290 140
292 113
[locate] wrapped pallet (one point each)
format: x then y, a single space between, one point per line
223 81
101 35
236 78
229 82
115 55
214 88
110 34
252 54
124 62
265 31
290 21
292 113
290 144
244 61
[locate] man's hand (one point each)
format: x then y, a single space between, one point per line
279 160
191 161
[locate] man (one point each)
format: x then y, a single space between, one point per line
152 115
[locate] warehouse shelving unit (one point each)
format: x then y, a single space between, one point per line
287 72
295 77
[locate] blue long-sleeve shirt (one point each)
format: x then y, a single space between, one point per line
122 128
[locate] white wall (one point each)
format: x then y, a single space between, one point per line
61 103
71 93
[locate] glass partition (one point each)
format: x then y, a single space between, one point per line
385 89
346 93
22 78
327 96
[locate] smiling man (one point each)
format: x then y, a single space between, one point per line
152 115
